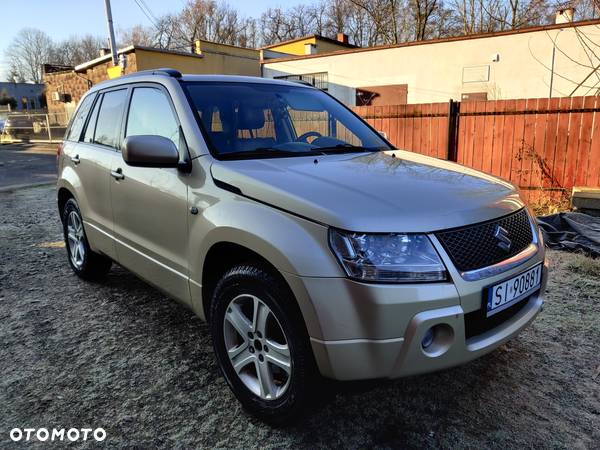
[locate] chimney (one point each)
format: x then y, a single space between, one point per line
104 51
197 47
310 49
342 37
564 15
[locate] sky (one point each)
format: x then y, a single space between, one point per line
64 18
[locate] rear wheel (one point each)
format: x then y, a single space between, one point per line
261 344
86 263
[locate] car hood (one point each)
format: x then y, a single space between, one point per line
392 191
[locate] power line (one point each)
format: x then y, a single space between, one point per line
143 6
149 10
148 14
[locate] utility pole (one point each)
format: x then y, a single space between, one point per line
111 33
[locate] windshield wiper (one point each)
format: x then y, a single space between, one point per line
267 152
346 148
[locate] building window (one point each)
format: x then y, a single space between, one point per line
318 80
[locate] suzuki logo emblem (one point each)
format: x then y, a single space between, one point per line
504 241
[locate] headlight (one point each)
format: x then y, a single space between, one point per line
387 257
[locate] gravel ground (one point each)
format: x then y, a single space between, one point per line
118 355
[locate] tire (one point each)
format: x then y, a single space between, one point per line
250 286
86 263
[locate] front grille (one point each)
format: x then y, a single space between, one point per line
477 323
474 246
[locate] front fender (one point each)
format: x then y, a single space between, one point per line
293 245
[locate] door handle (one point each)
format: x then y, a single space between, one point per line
117 174
75 159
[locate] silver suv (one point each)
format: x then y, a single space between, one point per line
307 241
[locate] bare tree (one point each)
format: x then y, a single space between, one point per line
478 16
586 9
14 76
207 19
423 11
138 35
383 15
76 50
29 49
513 14
277 26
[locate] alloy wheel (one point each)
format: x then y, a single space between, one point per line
75 238
257 347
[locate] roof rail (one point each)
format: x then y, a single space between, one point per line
162 71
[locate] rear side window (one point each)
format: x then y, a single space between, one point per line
79 120
109 118
91 126
150 113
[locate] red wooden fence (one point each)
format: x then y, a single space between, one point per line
545 146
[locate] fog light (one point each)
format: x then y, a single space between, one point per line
427 339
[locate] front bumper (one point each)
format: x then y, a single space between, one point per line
365 331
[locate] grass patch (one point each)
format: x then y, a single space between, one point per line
584 265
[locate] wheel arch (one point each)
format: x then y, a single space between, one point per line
225 254
63 195
221 257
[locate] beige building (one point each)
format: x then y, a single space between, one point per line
66 85
554 60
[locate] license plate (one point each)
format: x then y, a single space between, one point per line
509 292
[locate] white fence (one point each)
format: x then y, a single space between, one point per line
33 127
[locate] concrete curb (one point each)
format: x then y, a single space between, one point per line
15 187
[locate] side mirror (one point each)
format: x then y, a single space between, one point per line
149 151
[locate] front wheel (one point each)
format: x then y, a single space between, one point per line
86 263
261 344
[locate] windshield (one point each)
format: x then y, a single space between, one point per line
256 120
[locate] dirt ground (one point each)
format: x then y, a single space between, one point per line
120 356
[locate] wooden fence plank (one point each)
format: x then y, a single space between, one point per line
496 149
385 119
469 124
585 142
426 130
517 143
507 139
593 176
573 142
393 133
409 128
488 137
479 136
462 136
416 134
562 134
537 155
527 146
550 144
442 131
